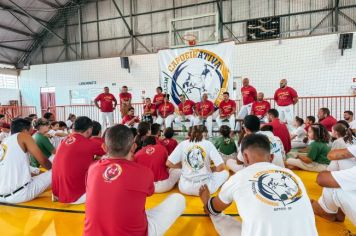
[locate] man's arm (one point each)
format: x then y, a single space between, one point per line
339 154
96 103
115 101
295 100
174 166
305 159
325 179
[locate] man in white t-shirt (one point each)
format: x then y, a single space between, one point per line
339 193
349 117
16 183
252 125
194 157
271 200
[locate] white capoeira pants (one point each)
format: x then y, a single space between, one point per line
244 111
167 121
179 120
167 184
226 225
298 144
286 114
213 182
231 120
342 164
37 185
208 124
81 200
107 119
161 217
314 166
334 198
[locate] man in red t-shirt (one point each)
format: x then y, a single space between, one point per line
107 105
204 113
125 101
279 129
130 119
227 110
149 111
159 97
186 111
286 97
326 119
73 158
260 108
169 142
154 156
249 95
117 189
165 112
96 135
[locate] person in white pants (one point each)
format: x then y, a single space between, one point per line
260 108
16 183
194 157
204 114
227 110
186 111
339 193
165 112
249 95
268 197
286 97
108 103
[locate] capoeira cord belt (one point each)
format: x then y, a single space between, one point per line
17 190
211 208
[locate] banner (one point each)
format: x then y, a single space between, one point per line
197 70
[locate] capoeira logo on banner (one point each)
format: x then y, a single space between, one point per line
196 71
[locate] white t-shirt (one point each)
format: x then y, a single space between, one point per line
195 158
300 132
353 124
3 136
271 201
338 144
346 178
14 166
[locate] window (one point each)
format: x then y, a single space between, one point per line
8 81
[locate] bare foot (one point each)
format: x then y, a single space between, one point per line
340 216
320 212
291 167
204 194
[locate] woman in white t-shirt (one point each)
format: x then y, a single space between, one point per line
70 121
298 134
194 157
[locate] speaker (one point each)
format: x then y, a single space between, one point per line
125 64
345 41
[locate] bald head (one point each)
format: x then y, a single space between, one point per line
283 83
245 82
260 96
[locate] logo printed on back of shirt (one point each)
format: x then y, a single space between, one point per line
196 157
70 140
166 142
3 150
150 150
112 172
276 188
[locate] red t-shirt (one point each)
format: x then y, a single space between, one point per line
98 140
260 108
154 157
151 108
187 107
116 196
249 94
165 109
158 98
280 130
73 158
306 128
328 122
170 144
125 97
284 96
204 108
226 108
106 102
128 118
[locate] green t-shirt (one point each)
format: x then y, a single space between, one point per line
318 152
45 146
226 146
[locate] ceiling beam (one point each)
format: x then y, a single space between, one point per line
13 48
17 31
48 3
9 8
7 63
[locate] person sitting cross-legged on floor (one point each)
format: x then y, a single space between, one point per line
298 133
271 200
154 156
225 144
169 142
194 156
16 183
118 187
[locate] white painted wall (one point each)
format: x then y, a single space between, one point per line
312 65
9 94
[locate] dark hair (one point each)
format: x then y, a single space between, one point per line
321 134
227 93
142 130
258 141
119 140
267 128
299 120
349 112
47 115
325 111
149 140
32 115
62 124
168 132
134 131
29 119
96 128
166 96
344 131
2 116
131 108
40 122
189 133
311 119
197 133
155 128
344 122
124 86
160 88
273 112
18 125
53 123
252 123
225 131
82 124
71 116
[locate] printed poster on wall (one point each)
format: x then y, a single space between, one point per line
197 70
